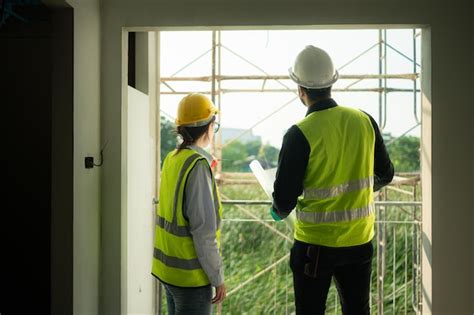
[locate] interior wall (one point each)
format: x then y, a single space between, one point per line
472 168
452 112
426 161
451 117
87 142
37 94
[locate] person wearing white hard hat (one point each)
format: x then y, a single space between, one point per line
330 164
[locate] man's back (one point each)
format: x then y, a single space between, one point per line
329 165
340 139
336 208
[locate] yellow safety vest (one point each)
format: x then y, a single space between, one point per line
174 259
336 208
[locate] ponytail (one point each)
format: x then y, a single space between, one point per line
190 135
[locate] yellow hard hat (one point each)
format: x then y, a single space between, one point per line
195 110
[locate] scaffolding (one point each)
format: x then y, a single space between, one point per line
382 204
386 230
216 78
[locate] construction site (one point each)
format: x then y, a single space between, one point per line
103 120
253 243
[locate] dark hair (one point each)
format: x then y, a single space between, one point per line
191 134
314 94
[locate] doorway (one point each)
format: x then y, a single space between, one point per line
387 84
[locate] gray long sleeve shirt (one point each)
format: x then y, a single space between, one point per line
199 210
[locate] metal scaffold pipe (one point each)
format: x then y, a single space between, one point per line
401 76
224 91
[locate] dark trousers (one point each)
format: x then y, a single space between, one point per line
314 266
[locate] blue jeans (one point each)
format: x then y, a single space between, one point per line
188 301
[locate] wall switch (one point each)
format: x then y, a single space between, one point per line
89 162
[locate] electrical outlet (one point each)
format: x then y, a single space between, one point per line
89 162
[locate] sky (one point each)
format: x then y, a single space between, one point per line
274 52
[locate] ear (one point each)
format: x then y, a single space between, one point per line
210 130
301 92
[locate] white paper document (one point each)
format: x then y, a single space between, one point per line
266 178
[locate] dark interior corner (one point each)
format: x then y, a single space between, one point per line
37 96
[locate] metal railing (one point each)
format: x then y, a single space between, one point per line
396 270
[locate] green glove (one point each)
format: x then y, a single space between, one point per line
274 215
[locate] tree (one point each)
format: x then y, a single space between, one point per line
168 137
237 155
405 153
253 148
234 157
268 156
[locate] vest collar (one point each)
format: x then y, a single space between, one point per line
203 152
321 105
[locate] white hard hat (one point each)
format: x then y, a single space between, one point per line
313 69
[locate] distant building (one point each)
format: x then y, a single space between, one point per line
387 136
231 133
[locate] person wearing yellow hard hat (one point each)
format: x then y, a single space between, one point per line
330 164
186 256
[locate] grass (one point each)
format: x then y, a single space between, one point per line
249 248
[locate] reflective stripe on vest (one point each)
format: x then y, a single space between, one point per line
331 192
174 258
173 227
336 208
187 264
335 216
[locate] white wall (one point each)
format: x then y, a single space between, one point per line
86 143
449 247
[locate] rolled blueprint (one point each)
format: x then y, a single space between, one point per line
266 178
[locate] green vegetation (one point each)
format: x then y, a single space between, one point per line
236 156
405 153
168 137
249 247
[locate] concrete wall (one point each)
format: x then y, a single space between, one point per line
451 113
87 142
